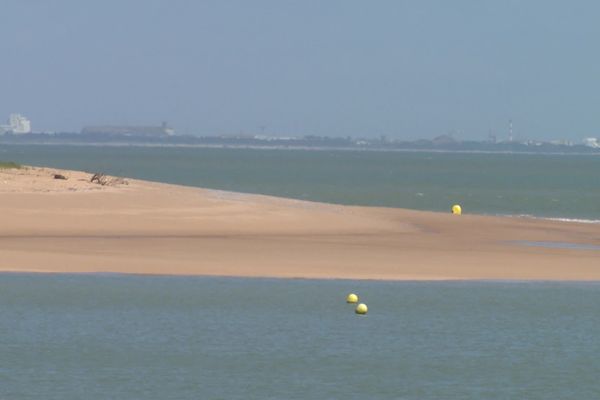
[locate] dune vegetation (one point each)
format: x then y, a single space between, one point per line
8 164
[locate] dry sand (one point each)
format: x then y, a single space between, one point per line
73 225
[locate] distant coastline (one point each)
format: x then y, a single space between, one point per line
437 145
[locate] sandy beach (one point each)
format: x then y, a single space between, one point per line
74 225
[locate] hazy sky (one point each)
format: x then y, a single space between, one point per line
405 69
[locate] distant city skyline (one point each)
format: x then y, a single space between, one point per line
406 70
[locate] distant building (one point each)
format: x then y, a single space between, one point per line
591 142
561 142
17 125
125 130
443 140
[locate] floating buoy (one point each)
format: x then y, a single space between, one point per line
456 209
352 298
361 309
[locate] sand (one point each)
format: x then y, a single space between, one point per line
76 226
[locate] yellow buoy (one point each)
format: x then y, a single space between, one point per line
361 309
456 209
352 298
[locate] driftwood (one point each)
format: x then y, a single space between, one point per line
106 180
100 179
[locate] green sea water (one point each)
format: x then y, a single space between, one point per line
556 186
126 337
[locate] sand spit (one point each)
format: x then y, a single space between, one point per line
74 225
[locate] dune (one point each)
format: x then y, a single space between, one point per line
76 226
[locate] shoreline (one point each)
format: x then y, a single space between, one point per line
495 215
318 279
150 228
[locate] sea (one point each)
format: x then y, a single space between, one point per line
112 336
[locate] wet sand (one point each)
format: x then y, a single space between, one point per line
76 226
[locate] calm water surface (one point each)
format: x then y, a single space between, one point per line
135 337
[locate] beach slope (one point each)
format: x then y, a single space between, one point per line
74 225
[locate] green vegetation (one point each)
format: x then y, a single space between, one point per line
9 164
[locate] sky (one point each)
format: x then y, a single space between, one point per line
403 69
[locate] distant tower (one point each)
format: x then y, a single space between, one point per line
510 130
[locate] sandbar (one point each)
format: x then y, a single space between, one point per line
75 226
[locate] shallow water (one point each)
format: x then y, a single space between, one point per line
559 245
137 337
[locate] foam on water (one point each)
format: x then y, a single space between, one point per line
576 220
